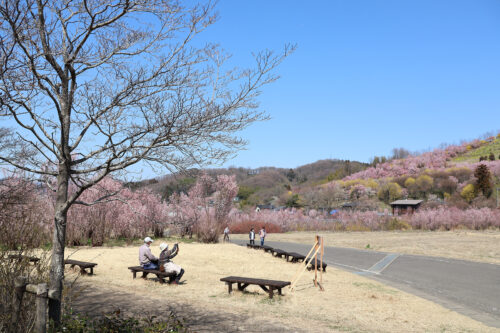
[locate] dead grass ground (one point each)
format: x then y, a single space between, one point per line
350 302
481 246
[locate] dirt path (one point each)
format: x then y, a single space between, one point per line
96 301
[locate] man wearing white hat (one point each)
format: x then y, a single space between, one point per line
168 266
146 258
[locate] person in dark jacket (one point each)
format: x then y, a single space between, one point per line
167 265
251 235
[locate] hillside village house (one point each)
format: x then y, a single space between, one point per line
400 207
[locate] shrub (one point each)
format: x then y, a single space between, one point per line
115 323
244 227
9 271
468 193
389 192
396 224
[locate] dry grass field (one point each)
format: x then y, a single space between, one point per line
481 246
349 303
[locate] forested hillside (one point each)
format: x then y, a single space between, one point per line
448 175
265 185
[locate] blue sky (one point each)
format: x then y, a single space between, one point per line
367 76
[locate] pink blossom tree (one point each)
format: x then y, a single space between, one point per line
206 207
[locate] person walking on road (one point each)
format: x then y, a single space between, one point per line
262 235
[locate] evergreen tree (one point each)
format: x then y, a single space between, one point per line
483 180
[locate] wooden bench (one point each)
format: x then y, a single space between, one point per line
23 257
310 261
160 275
295 257
279 253
82 264
267 285
267 248
254 246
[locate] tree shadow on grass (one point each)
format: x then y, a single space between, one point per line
95 301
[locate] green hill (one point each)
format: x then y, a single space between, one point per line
486 148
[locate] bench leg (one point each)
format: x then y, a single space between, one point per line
229 287
242 286
91 271
135 274
83 271
160 278
271 293
279 292
144 275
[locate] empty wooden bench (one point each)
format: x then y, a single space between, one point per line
279 253
83 266
160 275
294 257
267 285
310 261
254 246
267 248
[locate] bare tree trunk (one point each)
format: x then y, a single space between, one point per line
58 243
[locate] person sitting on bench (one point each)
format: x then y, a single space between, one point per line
166 265
146 259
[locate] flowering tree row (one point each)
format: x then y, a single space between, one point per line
439 159
111 210
426 219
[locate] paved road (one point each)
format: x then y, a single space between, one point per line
467 287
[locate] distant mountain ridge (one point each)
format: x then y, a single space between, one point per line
261 184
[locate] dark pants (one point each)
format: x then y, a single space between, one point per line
252 241
226 237
178 277
151 265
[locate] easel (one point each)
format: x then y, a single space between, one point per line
317 247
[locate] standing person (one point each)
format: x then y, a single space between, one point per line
251 235
166 265
262 235
146 259
226 233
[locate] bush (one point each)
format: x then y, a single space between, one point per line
76 323
244 227
468 193
389 192
9 271
396 224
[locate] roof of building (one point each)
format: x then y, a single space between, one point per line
407 202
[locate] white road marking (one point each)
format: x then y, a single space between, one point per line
383 264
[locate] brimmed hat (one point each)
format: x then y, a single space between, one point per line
148 240
163 246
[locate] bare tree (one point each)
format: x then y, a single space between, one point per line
92 87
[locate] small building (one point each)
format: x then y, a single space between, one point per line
406 206
262 207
